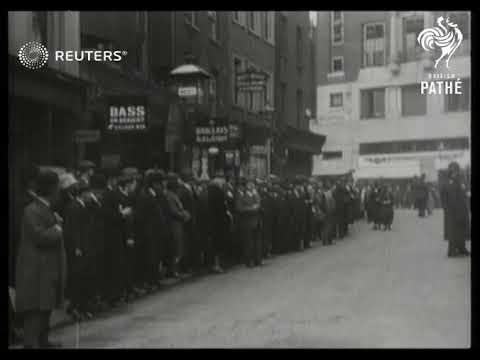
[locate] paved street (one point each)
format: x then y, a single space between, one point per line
374 289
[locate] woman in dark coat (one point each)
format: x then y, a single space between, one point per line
41 263
386 208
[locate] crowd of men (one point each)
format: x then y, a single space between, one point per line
104 238
113 236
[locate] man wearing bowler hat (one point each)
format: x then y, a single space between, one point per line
41 263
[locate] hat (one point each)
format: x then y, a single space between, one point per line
220 173
242 180
47 180
67 180
187 174
98 181
86 164
82 186
155 177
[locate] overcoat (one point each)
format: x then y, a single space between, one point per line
41 264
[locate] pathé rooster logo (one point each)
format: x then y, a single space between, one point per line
448 40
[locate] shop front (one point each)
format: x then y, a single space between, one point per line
299 147
130 114
216 146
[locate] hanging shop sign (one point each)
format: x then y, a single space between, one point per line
187 91
211 134
127 113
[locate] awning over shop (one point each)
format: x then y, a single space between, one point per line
305 141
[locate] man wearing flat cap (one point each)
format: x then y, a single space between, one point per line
86 170
41 263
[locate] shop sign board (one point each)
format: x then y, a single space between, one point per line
187 91
127 114
87 136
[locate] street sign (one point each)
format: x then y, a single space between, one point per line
187 91
87 136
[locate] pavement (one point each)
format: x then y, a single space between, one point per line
374 289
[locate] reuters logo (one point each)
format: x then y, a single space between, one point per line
33 55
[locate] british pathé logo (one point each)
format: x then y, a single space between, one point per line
446 39
34 55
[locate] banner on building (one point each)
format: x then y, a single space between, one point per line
127 113
216 132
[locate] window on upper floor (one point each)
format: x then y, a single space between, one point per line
240 17
254 22
412 26
300 111
214 25
372 104
283 100
374 44
213 93
413 103
283 35
337 31
238 67
459 102
40 25
336 100
337 64
191 17
268 26
462 19
299 46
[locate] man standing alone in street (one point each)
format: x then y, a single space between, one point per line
41 264
456 204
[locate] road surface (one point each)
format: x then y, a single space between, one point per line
372 290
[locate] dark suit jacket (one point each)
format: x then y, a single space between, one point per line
41 263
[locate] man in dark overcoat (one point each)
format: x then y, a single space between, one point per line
41 263
220 221
154 235
458 214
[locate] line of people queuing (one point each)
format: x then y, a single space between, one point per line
103 239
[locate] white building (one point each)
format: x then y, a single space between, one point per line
369 103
